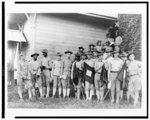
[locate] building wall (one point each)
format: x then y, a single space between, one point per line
58 33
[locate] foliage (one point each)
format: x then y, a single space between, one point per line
130 30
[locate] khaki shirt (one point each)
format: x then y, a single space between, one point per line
57 67
134 67
67 65
107 62
98 65
35 67
23 69
115 64
46 62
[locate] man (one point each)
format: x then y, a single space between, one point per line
66 77
76 75
89 76
22 74
46 68
134 77
115 66
91 47
57 68
99 46
35 72
80 51
97 79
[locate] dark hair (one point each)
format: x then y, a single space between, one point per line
130 55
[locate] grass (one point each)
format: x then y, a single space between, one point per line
60 103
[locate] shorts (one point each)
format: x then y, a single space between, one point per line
66 82
98 83
134 83
115 83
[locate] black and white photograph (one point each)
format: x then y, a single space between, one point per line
75 59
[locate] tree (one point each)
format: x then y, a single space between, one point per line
130 30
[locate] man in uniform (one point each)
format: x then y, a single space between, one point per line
46 68
91 47
66 77
134 77
89 76
57 68
35 72
76 74
97 79
115 66
80 51
22 74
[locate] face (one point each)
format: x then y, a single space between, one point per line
68 55
131 57
81 50
91 47
100 57
95 54
35 57
58 57
99 44
44 54
83 57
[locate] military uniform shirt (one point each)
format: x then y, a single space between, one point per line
35 67
57 67
116 64
134 67
67 64
23 69
46 62
98 65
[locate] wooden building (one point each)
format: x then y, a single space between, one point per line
58 32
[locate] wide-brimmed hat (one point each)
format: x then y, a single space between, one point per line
34 54
68 52
91 45
58 54
81 47
44 51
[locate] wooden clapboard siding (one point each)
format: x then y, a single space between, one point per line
58 34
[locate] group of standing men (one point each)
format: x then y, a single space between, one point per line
85 73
